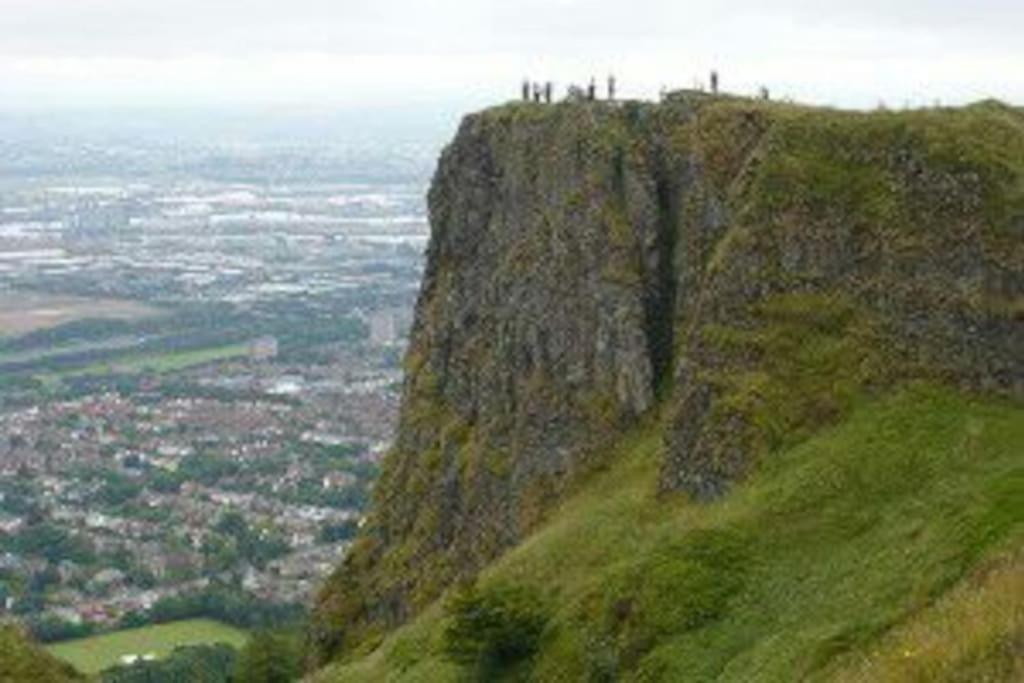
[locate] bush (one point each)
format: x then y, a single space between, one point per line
270 657
683 585
343 531
493 628
193 663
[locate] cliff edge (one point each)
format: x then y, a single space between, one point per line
730 275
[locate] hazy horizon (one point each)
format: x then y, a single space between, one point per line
64 55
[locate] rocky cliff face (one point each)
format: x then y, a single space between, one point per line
739 273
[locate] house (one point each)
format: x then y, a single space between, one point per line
338 480
11 525
264 348
106 579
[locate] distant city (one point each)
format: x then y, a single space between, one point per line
200 351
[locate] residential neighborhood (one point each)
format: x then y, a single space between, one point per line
199 372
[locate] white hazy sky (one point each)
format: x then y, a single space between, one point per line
73 53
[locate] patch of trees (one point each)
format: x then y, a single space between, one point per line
10 382
207 469
235 540
54 629
16 494
271 657
191 664
223 603
311 492
118 490
493 629
49 542
335 533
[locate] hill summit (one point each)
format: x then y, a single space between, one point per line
692 357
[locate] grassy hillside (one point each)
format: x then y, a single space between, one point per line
887 547
22 661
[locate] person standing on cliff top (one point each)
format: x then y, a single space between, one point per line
547 92
714 82
526 90
592 90
611 88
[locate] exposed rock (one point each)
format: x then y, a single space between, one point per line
592 263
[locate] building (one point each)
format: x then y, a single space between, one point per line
264 348
383 328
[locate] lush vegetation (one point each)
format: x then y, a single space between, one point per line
22 661
189 664
235 539
857 550
271 657
493 629
226 604
47 541
94 654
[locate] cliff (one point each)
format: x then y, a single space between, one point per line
725 276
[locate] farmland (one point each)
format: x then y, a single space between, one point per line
165 362
24 312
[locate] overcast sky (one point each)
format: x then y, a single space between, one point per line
72 53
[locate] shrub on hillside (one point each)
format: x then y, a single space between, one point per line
270 657
682 586
192 663
493 628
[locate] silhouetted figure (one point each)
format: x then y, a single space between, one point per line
611 88
714 82
547 92
526 90
536 92
592 90
765 95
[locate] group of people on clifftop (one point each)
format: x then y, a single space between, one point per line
537 92
533 91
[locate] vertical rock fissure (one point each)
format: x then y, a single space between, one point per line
661 302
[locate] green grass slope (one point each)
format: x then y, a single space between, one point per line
887 547
23 662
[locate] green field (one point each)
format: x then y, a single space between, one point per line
162 362
92 655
